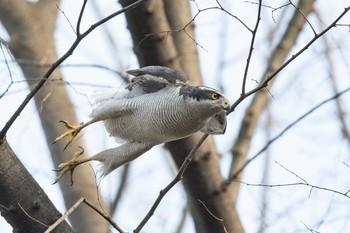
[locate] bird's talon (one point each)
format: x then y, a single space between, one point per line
69 166
71 131
57 169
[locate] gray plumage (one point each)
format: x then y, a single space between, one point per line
157 106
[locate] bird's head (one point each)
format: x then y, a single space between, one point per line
208 96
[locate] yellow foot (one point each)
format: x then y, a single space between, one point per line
72 130
69 166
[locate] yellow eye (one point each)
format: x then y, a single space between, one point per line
214 96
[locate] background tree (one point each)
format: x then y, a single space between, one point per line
163 34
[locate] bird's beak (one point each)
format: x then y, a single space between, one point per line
226 105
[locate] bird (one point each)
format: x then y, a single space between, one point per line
158 105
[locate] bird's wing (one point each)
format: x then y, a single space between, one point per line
216 124
144 84
104 94
171 75
151 79
109 102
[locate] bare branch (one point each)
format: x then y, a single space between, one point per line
273 9
233 16
65 16
80 17
34 219
292 58
291 172
103 215
7 66
344 194
74 207
199 11
211 214
309 229
252 41
65 215
305 18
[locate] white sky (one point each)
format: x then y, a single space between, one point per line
314 149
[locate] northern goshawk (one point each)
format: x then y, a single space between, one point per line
157 106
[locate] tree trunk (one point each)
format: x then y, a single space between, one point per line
23 203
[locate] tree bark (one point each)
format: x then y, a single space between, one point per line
261 99
31 27
155 44
23 203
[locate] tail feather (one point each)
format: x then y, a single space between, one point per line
116 157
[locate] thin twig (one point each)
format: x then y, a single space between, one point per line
213 215
291 172
80 17
34 219
199 11
8 68
65 16
74 207
104 216
65 215
251 48
206 209
292 58
295 184
273 9
304 16
233 16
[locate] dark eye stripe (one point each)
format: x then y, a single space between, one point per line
197 93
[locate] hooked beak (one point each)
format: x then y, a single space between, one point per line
226 105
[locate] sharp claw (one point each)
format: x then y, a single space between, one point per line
57 170
71 131
54 182
68 143
66 123
69 166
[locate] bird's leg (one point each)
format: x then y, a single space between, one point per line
73 130
70 165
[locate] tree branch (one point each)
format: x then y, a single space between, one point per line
252 41
74 207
